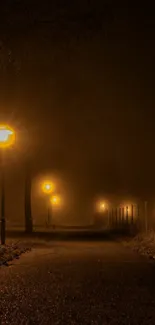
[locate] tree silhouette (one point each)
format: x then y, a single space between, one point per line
28 212
10 71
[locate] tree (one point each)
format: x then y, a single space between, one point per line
28 211
10 70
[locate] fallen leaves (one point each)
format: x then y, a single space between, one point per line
10 252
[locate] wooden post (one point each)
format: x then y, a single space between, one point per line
146 217
116 217
108 217
120 215
132 213
123 215
138 218
138 210
112 217
127 215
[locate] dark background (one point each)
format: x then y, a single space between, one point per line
77 81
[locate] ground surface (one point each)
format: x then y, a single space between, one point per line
78 283
143 243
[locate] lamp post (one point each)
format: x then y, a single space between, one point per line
102 212
48 188
2 200
55 202
7 139
102 206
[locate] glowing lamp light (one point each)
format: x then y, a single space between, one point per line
55 200
47 187
102 206
7 136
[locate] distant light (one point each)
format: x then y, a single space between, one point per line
102 205
7 136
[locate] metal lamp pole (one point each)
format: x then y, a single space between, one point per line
7 138
3 230
49 212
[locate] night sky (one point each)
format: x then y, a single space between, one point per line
79 77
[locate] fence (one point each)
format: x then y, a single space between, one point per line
132 218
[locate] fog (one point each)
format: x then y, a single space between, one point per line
77 86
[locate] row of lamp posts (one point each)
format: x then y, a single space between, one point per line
52 199
7 139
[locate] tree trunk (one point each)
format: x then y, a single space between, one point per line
28 212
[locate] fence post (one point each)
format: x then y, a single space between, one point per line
123 215
109 218
116 218
112 218
146 217
127 214
120 216
138 224
132 213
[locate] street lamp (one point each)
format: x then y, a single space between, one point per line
102 206
55 200
7 136
48 188
7 139
103 212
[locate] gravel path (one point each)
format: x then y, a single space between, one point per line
78 283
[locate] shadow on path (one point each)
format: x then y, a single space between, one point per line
95 235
